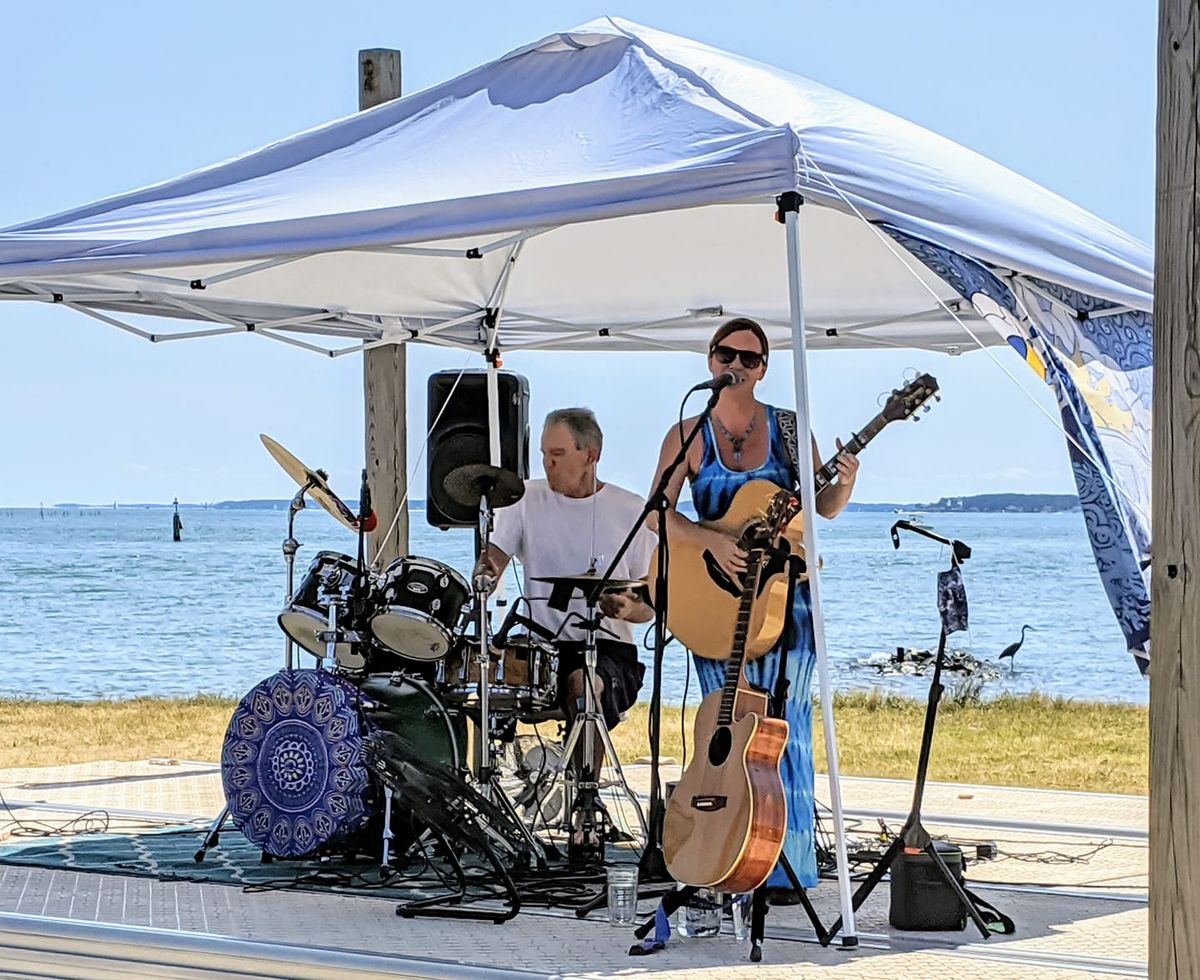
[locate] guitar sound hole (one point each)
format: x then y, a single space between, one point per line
719 746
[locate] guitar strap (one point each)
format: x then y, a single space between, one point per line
786 419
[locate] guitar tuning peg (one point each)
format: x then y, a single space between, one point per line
927 409
916 418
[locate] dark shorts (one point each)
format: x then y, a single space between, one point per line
618 667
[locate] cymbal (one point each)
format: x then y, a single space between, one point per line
468 484
588 584
319 488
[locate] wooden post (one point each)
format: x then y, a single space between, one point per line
1175 618
384 368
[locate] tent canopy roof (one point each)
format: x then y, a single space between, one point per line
609 187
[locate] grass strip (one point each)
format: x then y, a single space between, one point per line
1031 740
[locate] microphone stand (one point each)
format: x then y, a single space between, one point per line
913 839
653 864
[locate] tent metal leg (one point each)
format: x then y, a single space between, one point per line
789 207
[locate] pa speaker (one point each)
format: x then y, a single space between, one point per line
460 436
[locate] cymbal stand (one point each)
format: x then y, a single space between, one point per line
487 775
587 724
290 547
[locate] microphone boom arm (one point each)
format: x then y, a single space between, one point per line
961 551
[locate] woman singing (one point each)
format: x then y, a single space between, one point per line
748 440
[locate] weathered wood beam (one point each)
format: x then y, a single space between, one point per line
1175 623
384 368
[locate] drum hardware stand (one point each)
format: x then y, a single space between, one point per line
454 813
913 838
586 724
385 865
213 837
290 547
487 774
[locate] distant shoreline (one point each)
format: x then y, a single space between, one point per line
984 503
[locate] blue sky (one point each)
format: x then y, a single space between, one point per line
119 95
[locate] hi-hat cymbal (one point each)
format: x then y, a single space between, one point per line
318 483
590 584
467 485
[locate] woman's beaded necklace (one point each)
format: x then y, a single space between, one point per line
737 443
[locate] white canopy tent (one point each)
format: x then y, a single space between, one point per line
631 174
612 187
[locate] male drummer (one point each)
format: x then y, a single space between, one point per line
571 523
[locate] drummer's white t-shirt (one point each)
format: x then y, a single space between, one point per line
552 534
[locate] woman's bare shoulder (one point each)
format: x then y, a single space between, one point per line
674 437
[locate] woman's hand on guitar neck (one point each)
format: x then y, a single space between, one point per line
726 553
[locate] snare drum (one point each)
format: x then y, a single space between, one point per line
522 675
330 577
419 606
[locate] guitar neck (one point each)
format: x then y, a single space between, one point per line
854 445
733 669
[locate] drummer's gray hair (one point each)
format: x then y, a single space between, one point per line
583 425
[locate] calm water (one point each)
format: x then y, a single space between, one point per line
104 603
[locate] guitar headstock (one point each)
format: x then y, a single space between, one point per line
783 507
904 403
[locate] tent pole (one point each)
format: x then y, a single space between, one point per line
385 369
789 207
493 400
495 457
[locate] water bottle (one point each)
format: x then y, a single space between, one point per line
700 917
739 913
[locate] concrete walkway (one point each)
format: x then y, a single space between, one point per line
1072 873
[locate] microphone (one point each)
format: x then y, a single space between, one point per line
366 516
716 384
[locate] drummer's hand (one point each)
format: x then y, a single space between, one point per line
485 576
727 554
618 605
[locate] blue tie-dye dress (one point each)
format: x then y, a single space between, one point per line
713 489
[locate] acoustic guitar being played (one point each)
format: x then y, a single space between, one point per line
704 600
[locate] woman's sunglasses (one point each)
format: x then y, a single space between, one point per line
751 359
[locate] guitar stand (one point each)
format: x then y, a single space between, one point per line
758 907
913 837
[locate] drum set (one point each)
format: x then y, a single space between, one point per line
403 658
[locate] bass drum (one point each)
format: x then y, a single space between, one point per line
407 706
292 764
